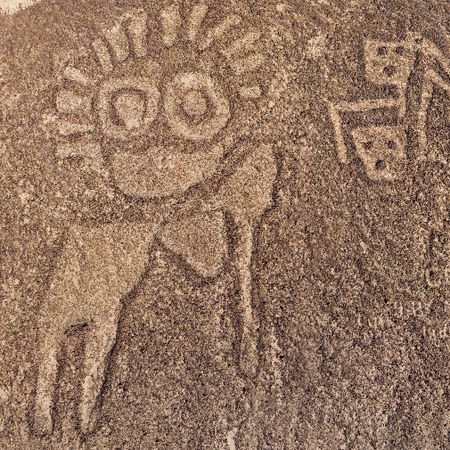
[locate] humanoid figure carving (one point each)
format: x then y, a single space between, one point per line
99 265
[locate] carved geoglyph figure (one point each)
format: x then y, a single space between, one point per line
382 147
159 109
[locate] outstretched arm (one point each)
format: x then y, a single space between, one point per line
431 79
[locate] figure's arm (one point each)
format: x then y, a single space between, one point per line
431 79
433 53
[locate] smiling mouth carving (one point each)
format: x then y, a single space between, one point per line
161 172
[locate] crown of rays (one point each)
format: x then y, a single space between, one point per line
129 37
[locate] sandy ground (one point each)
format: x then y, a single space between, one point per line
12 6
225 225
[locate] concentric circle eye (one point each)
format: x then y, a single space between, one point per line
130 109
127 107
195 107
195 104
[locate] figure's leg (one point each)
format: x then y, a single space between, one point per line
249 339
50 343
247 194
99 342
54 318
115 260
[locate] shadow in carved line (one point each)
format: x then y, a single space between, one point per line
156 128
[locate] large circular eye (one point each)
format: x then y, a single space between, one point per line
196 109
128 107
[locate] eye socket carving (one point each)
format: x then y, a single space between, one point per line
382 51
127 107
196 109
391 145
389 70
188 99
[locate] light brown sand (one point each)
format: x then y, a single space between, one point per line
225 225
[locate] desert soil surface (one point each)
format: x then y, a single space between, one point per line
225 224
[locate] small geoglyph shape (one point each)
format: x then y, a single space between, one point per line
224 224
391 63
382 151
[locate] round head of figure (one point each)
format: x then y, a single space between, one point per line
166 114
389 63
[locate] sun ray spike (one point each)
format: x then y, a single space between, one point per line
103 56
118 41
91 152
248 64
73 74
245 43
220 30
66 128
137 29
171 21
67 102
198 13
